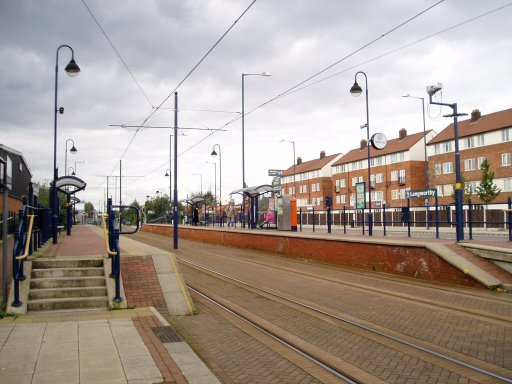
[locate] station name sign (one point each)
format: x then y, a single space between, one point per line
420 194
275 172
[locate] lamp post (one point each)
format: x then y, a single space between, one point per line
424 135
294 162
214 155
356 91
72 69
168 174
459 214
78 162
215 186
265 74
73 150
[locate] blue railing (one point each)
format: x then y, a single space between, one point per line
112 241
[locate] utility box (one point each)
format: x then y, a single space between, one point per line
284 213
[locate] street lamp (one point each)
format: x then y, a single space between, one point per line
356 91
72 173
265 74
73 150
294 172
459 214
78 162
214 155
215 186
424 136
72 69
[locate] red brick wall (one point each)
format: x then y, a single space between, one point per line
140 282
408 261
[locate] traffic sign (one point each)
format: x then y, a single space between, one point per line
275 172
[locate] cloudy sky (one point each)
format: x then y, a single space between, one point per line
401 45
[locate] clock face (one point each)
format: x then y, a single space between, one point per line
378 141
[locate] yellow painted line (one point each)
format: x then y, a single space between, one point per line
181 282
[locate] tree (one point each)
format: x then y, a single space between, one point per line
466 190
487 191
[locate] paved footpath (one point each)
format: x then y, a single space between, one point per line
94 346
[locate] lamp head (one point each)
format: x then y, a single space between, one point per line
73 173
356 90
166 174
72 69
214 153
73 150
266 74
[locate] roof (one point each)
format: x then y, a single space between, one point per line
486 123
17 153
254 191
307 166
395 145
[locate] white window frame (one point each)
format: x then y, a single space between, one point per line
479 161
469 164
447 168
394 175
505 159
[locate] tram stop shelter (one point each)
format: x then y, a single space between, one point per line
69 185
252 194
194 202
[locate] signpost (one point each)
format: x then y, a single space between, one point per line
420 193
360 195
275 172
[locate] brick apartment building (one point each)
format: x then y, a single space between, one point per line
480 137
312 181
20 177
393 170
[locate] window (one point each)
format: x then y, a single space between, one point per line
354 181
437 149
337 186
343 183
395 194
471 186
506 134
394 158
379 178
438 169
360 179
480 140
394 175
352 200
447 189
291 191
469 165
303 189
378 196
402 192
439 190
447 146
448 167
507 184
343 199
470 141
479 162
505 159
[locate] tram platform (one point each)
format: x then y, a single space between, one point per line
134 345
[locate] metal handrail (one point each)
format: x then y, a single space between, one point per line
27 242
9 218
105 233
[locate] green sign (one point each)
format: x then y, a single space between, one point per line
360 195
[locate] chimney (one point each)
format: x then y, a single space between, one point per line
299 160
362 144
322 155
402 134
475 115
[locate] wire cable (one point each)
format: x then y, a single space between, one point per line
117 52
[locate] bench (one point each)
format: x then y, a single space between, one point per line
60 228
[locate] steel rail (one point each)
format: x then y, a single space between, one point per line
358 325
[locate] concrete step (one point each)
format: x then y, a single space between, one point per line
67 303
61 282
67 272
66 263
59 293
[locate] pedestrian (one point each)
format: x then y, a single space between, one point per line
269 218
195 216
230 213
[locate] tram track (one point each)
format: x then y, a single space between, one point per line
481 371
502 319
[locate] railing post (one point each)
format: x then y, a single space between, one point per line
300 219
437 215
313 219
409 218
344 220
329 220
117 272
509 202
470 219
384 218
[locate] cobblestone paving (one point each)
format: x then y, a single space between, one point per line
236 357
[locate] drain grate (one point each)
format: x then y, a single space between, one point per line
166 334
